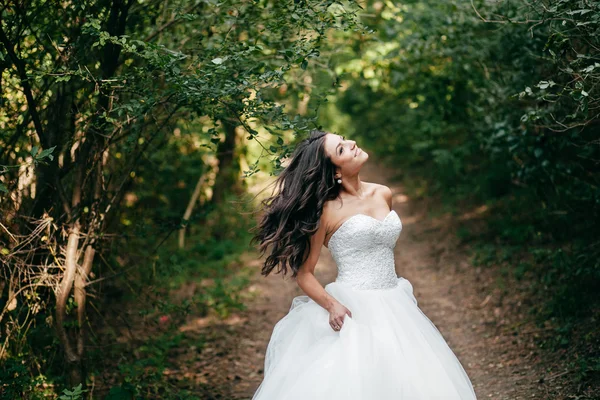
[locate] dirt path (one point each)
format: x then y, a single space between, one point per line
476 319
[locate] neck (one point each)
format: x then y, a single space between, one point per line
353 186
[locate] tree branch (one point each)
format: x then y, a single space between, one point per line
171 22
26 87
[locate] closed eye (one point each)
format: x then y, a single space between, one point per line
341 148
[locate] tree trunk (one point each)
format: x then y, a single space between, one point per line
190 208
228 175
62 296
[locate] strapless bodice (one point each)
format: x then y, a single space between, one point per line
363 249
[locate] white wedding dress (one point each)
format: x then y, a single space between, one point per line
387 350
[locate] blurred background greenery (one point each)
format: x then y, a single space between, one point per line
135 133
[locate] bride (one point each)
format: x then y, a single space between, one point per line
363 335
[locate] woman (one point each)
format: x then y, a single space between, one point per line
363 335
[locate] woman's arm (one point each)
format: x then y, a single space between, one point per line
310 285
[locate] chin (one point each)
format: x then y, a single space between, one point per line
364 160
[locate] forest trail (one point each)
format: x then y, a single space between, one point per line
478 322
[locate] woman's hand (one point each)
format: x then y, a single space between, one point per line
337 314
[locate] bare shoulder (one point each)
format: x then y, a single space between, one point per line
328 213
381 190
387 193
331 215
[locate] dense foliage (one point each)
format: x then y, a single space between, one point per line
118 117
111 110
500 102
497 103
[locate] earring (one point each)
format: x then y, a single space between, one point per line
339 181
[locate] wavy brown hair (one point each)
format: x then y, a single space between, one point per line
292 214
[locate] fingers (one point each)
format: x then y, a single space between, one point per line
336 324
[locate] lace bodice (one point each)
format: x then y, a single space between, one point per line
363 249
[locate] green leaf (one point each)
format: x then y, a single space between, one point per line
47 153
63 78
3 188
580 12
218 60
304 64
543 84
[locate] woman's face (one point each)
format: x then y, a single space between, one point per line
345 154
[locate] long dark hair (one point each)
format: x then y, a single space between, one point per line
292 214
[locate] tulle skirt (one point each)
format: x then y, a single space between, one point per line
388 349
